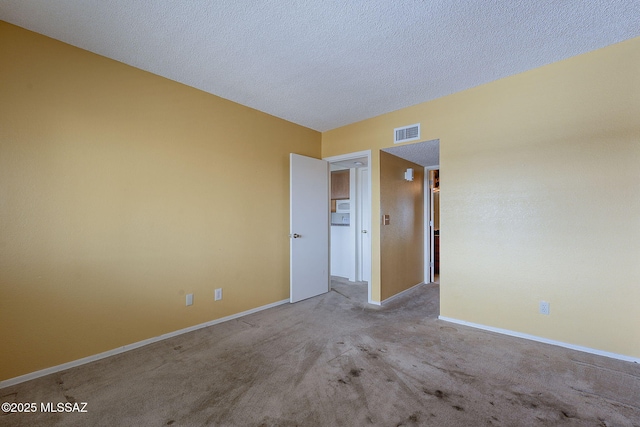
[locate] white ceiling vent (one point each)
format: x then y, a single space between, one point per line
406 133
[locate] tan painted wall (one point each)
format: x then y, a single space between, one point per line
120 192
402 241
540 197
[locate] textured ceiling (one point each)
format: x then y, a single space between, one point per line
423 153
360 162
324 64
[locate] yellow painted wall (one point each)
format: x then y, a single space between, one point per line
120 192
402 240
540 198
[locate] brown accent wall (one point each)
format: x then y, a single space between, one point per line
402 241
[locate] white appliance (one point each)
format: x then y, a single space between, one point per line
343 206
339 218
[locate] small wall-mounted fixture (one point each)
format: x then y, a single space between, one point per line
408 174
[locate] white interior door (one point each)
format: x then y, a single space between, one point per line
309 227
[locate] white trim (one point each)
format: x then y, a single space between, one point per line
363 218
108 353
353 226
429 239
428 230
349 156
543 340
398 295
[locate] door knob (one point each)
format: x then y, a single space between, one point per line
364 231
295 235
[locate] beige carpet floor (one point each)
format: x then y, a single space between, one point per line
334 360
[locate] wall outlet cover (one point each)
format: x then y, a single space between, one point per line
544 307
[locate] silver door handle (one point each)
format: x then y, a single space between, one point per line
295 235
364 231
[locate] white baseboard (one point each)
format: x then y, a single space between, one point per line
398 295
108 353
543 340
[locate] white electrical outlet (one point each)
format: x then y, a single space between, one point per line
218 294
544 307
189 299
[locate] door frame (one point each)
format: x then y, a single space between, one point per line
365 252
429 255
362 195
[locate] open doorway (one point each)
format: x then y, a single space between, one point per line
350 244
432 231
427 155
